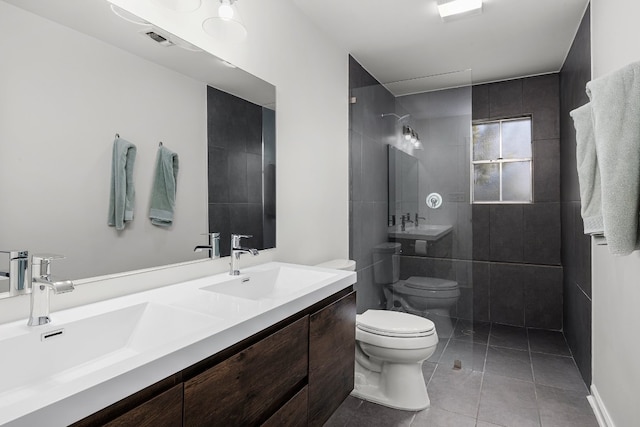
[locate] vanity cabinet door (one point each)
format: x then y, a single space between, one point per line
164 410
332 340
250 386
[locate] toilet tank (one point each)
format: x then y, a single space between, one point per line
386 263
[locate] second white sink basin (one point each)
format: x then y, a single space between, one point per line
274 283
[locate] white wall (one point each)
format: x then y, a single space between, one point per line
61 103
311 78
616 280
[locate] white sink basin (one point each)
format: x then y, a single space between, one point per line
64 351
275 283
421 232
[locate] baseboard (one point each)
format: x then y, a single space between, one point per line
600 411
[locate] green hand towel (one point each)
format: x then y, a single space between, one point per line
122 194
163 194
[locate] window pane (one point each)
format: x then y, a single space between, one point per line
516 139
486 141
516 182
486 182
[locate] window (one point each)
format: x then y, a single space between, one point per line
501 161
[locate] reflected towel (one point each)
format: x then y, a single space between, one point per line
588 172
122 194
615 114
165 183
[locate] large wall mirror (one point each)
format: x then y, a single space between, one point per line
73 75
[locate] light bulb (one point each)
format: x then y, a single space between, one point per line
225 11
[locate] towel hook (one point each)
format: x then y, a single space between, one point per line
117 135
160 144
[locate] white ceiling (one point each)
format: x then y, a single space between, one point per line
398 40
95 18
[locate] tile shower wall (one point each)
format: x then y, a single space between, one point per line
516 247
235 167
576 247
368 206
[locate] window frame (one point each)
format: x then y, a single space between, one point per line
500 161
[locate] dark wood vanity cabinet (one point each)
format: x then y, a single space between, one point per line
332 341
250 386
295 373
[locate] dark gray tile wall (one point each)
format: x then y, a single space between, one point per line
235 134
576 247
368 165
517 247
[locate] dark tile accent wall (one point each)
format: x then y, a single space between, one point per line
368 165
235 136
576 247
516 247
514 276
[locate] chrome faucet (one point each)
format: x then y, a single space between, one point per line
213 247
405 219
236 251
418 218
41 283
18 273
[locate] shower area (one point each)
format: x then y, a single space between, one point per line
421 245
411 220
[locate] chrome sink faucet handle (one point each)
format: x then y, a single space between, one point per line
41 283
213 247
418 218
236 251
18 273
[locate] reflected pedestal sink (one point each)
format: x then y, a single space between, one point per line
421 232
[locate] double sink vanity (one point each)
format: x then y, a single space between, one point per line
272 346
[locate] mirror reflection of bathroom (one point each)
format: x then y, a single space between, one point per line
411 212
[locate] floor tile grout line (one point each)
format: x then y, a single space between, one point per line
533 377
484 367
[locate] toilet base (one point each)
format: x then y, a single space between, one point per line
398 386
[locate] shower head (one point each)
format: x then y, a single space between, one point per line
396 116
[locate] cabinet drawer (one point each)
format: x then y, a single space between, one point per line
164 410
293 413
249 386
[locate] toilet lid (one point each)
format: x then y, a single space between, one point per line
394 324
430 283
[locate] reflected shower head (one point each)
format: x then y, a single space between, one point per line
395 115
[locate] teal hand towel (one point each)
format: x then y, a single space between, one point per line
163 194
122 194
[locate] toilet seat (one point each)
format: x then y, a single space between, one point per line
394 324
428 287
430 283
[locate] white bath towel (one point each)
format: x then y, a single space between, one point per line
615 113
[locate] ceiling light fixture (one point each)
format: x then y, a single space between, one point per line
225 11
449 9
227 26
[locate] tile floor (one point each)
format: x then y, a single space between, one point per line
510 377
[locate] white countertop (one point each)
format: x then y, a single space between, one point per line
190 323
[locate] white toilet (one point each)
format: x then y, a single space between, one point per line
425 296
390 349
